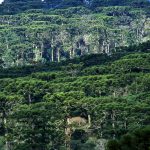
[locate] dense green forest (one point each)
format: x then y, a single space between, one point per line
75 75
15 6
112 89
29 35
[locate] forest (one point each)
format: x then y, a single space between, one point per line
75 75
113 89
54 34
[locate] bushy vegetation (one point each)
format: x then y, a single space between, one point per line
139 139
113 90
74 58
15 6
42 35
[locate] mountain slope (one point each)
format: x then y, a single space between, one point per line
48 35
114 91
14 6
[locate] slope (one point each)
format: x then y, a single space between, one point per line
115 93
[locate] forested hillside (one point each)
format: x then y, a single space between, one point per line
75 75
47 33
15 6
35 102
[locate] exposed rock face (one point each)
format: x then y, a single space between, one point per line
101 144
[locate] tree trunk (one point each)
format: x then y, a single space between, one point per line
52 54
113 122
70 53
58 54
6 132
29 98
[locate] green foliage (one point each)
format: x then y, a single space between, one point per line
113 90
40 35
2 143
139 139
70 58
15 6
42 126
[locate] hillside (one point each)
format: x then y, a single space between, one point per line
15 6
113 90
32 35
75 75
